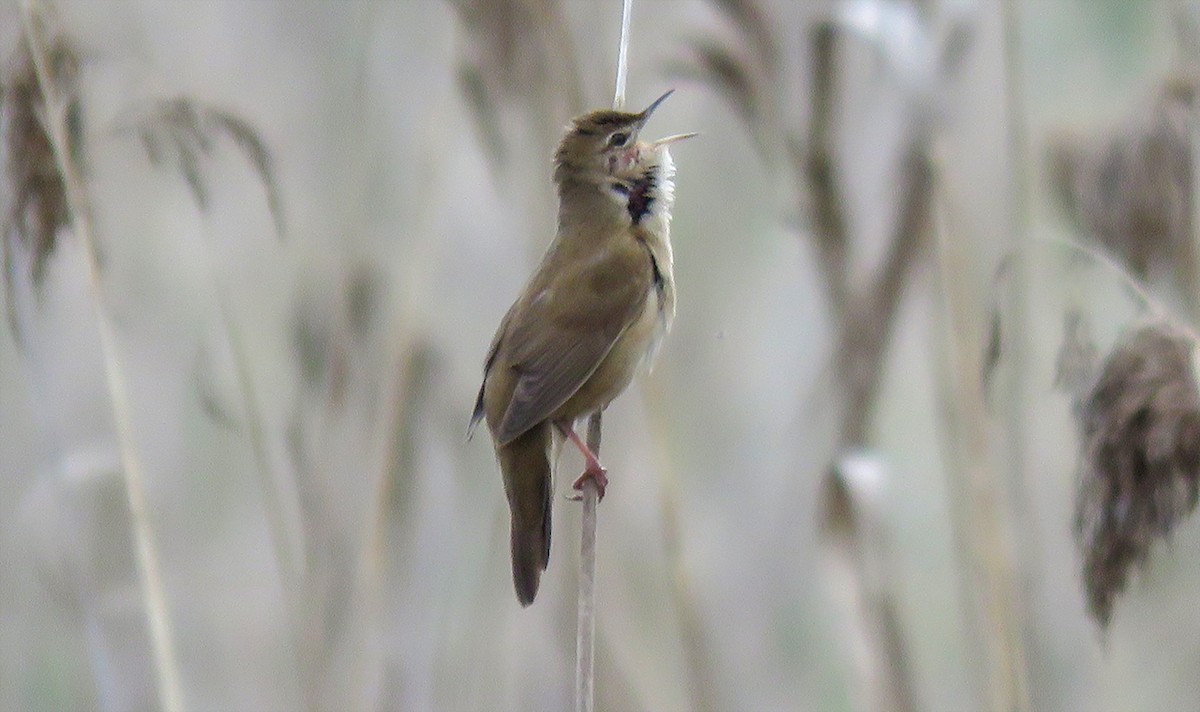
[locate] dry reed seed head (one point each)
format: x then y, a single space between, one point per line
516 51
756 27
39 203
732 76
481 107
182 133
502 34
1132 190
742 65
1139 457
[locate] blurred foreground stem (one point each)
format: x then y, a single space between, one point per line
1013 340
980 512
54 104
281 501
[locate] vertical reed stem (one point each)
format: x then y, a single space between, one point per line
585 627
623 56
166 667
983 527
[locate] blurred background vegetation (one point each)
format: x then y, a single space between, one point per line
847 484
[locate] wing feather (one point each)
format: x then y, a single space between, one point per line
562 336
478 413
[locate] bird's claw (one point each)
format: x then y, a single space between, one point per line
597 475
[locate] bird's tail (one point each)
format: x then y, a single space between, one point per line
525 463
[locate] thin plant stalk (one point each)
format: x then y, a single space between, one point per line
166 666
623 56
978 502
281 499
585 624
281 502
1137 291
1016 310
396 415
1194 156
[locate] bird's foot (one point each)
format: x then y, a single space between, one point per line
597 475
594 470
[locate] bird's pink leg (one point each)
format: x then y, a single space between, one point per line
594 470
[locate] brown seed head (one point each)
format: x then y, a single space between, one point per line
1139 457
1131 189
39 206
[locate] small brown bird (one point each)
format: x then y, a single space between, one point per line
597 305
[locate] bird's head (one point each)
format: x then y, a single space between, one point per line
603 144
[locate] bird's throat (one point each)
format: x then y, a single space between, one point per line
641 197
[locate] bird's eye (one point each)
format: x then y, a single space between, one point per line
618 139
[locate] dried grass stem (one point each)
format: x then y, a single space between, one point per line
166 666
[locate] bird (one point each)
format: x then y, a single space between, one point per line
595 308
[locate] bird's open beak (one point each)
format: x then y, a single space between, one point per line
645 115
673 139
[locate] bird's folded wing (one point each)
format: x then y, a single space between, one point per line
567 329
477 413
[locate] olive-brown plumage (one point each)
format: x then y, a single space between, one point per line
602 295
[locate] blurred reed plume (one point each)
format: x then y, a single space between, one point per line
1131 190
181 133
38 207
519 54
745 67
1139 471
